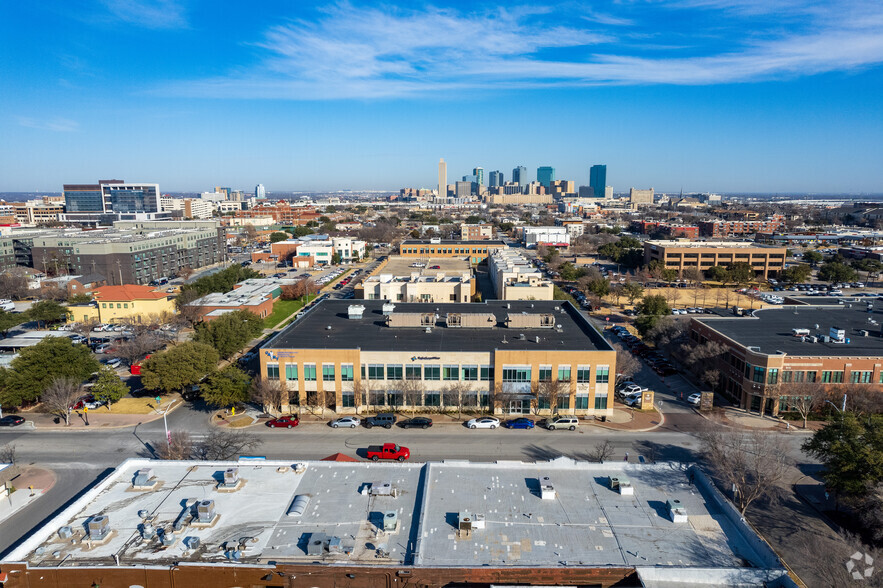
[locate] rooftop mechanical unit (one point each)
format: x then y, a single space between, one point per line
205 511
390 520
547 490
676 511
99 527
622 485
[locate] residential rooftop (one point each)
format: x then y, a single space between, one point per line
769 329
328 326
670 526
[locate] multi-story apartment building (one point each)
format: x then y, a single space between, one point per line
673 230
476 232
551 236
475 251
282 213
640 197
514 278
771 354
493 355
732 228
682 254
133 252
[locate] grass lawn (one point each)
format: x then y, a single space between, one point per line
142 405
281 310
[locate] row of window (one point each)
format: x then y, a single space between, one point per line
756 374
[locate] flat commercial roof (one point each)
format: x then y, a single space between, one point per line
403 266
560 513
770 329
454 242
328 326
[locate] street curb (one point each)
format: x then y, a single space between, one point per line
653 428
64 429
43 492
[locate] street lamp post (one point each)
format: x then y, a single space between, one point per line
165 423
841 408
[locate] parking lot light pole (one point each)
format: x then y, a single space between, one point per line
165 423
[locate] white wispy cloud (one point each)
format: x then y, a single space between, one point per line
57 125
151 14
352 52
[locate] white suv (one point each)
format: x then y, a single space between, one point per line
563 422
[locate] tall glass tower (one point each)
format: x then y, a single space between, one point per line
495 179
545 175
478 172
598 180
519 176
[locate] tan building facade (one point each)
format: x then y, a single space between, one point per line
475 251
498 361
684 254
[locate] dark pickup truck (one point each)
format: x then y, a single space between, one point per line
388 451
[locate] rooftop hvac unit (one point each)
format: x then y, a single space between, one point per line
148 531
231 476
468 521
99 527
622 485
191 542
142 478
65 533
676 511
388 308
390 520
335 545
381 489
355 311
205 511
316 544
547 490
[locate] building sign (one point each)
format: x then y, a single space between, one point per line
422 358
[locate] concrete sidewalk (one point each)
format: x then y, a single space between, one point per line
30 484
98 419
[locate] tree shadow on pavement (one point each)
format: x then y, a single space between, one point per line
651 452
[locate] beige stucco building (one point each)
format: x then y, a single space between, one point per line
514 278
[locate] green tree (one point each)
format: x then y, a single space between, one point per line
230 332
813 257
46 311
632 291
629 242
718 273
79 299
36 367
181 366
851 449
301 231
650 310
108 388
869 266
599 287
796 274
741 272
473 219
226 387
570 272
834 271
336 258
9 320
279 236
324 219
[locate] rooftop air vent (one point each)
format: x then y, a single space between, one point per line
547 490
143 478
677 511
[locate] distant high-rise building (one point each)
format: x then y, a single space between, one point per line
545 175
495 179
260 191
598 180
478 172
442 179
519 176
463 189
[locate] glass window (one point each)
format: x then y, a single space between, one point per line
394 372
432 372
328 372
543 403
413 372
772 376
583 374
433 398
470 373
832 377
309 372
757 374
602 374
564 373
487 373
521 374
811 376
600 401
290 371
272 371
451 372
545 374
563 402
375 371
346 372
787 376
860 377
581 402
348 400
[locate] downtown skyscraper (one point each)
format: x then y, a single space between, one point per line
442 179
495 178
478 172
519 176
546 175
598 180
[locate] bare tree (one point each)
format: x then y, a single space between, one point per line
178 446
412 393
864 399
627 365
457 394
601 452
667 330
870 511
547 394
751 462
224 444
13 285
61 395
804 398
132 350
268 393
825 557
7 454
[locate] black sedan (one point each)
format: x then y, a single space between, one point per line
11 420
419 422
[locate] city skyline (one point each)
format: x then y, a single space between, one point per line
713 95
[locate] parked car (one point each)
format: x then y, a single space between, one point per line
418 422
519 423
388 451
694 398
384 419
561 422
349 421
11 420
630 388
483 423
284 421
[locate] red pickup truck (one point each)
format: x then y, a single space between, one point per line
388 451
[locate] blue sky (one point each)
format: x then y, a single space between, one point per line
781 96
